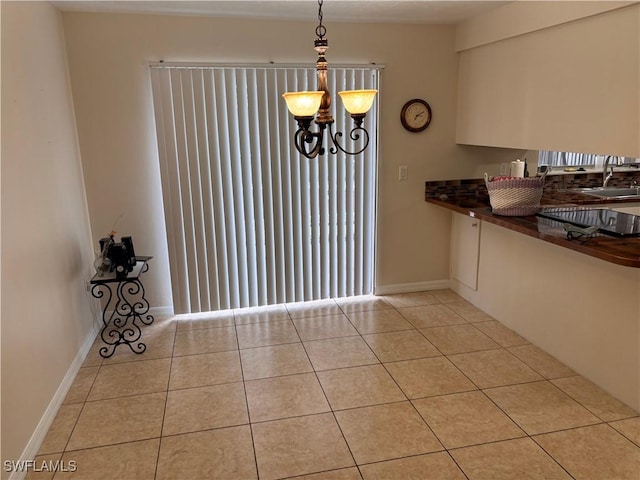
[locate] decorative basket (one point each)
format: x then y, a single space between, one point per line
514 196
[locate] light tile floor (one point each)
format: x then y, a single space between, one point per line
420 385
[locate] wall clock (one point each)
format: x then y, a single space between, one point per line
415 115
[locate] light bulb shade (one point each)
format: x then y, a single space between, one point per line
303 104
357 101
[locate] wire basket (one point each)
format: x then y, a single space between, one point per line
514 196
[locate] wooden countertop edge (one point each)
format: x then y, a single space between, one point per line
511 224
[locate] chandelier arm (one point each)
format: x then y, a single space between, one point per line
354 135
305 138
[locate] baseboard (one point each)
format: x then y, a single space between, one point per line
161 312
40 432
411 287
461 289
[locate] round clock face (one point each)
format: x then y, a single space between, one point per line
415 115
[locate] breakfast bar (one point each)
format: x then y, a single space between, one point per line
622 251
576 299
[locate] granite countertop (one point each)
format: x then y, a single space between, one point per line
469 197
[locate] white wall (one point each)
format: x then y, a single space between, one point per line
569 86
46 242
108 57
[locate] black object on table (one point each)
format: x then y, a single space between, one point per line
124 305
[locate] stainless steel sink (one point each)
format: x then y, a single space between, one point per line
611 192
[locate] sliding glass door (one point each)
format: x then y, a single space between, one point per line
249 220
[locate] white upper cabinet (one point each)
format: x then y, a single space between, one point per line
559 76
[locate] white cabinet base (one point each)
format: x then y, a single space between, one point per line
465 248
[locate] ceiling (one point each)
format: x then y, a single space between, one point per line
375 11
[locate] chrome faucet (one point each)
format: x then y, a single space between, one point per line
605 177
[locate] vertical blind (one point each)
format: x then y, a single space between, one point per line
570 159
249 220
560 159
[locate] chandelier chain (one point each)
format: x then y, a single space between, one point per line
321 30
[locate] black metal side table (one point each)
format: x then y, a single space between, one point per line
124 305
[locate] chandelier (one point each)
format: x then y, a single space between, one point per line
307 107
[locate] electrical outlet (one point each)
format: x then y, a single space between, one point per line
504 169
403 172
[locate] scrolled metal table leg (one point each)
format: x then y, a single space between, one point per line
108 336
124 303
127 312
120 326
140 307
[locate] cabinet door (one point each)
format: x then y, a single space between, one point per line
582 54
465 249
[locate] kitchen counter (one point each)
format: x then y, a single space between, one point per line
470 199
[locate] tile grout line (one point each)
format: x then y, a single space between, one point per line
406 399
246 401
166 403
414 407
84 403
501 347
572 397
551 456
333 414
